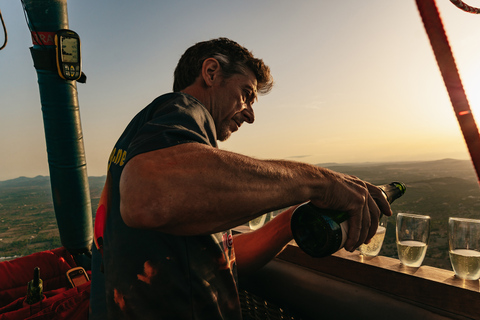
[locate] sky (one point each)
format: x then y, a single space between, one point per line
355 81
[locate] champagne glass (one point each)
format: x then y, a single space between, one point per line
373 248
464 245
412 232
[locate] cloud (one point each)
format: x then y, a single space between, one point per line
315 103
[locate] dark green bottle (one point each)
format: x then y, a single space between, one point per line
35 288
321 232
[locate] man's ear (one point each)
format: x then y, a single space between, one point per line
210 71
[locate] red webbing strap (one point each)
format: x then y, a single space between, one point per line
101 216
443 53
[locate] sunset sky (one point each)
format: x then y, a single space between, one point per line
356 81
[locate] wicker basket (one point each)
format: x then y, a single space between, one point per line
257 308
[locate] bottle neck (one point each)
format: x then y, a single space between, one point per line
392 191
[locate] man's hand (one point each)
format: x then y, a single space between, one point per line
363 202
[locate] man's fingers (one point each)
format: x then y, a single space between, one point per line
366 225
354 230
374 218
363 226
380 200
358 228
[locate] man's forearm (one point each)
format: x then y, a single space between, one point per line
192 189
255 249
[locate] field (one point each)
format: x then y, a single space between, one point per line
441 189
27 217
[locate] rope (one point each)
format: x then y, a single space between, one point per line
4 31
446 62
465 7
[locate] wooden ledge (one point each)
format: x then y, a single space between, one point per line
425 286
433 287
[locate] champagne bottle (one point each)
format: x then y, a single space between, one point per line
35 288
321 232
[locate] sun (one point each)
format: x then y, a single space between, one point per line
471 85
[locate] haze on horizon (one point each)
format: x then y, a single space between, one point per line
355 82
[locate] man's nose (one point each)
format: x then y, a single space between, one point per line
248 114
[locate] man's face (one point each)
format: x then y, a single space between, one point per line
234 97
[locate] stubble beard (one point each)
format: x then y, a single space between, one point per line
223 134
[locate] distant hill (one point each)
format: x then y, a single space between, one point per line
43 181
441 189
408 171
26 182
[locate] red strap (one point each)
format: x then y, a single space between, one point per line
446 62
43 38
101 216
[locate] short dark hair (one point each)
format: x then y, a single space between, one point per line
232 57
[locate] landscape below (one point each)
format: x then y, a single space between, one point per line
441 189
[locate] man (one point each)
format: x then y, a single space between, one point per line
172 196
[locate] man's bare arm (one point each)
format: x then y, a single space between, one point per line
194 189
255 249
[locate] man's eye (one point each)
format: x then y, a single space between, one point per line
247 96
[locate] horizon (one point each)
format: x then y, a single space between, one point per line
326 165
356 85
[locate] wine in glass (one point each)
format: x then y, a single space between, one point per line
412 232
464 245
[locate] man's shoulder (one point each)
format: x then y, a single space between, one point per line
178 99
177 106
